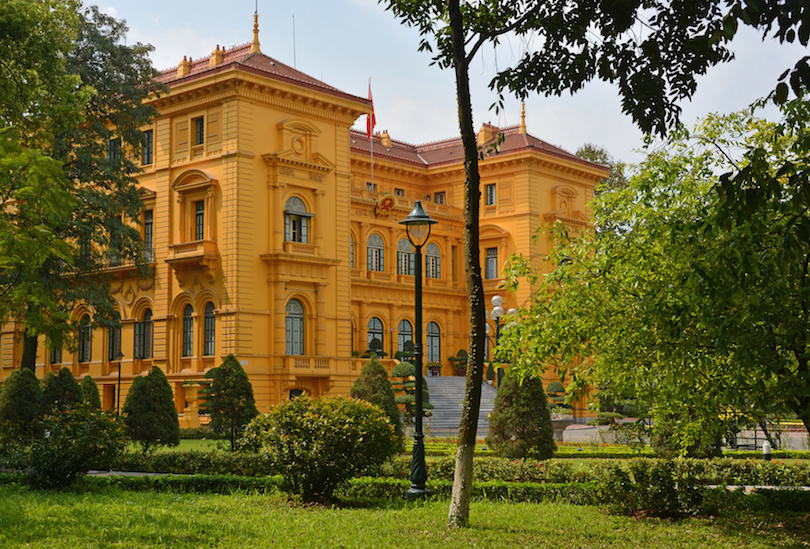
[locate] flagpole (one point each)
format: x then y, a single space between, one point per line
371 122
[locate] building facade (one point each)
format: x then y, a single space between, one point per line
273 238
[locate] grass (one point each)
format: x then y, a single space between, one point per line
113 518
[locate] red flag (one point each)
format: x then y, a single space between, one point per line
371 120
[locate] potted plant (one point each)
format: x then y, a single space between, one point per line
434 368
460 362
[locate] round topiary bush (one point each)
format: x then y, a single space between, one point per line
75 440
318 444
520 423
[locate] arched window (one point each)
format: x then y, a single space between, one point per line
434 343
296 221
405 334
433 261
85 339
351 251
405 257
209 331
143 336
375 335
295 327
188 331
114 339
376 253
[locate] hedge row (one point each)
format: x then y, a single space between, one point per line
653 492
485 469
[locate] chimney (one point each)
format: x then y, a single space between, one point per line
216 57
385 139
184 67
486 134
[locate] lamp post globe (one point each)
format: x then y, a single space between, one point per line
417 227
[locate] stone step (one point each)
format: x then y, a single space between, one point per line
447 396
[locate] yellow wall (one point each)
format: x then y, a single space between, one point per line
266 140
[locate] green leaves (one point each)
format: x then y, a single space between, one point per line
689 303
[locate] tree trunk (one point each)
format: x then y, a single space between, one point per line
29 357
459 513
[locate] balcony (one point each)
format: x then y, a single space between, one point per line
309 365
194 255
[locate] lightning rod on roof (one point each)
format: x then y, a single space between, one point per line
294 63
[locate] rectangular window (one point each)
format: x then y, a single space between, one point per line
405 263
113 149
199 220
439 198
143 339
371 186
490 194
454 261
491 266
146 157
56 356
376 259
399 192
85 343
198 126
113 343
433 267
148 235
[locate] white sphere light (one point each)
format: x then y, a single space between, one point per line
496 300
511 311
497 312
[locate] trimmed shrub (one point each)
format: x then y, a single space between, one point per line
197 463
372 385
318 444
229 399
90 393
74 441
20 404
60 391
520 423
149 412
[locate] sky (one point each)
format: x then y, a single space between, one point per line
345 43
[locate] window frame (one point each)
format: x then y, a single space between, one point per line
114 340
433 350
294 328
143 336
198 123
406 258
187 347
209 330
148 152
296 221
377 330
375 253
490 193
85 350
433 261
491 270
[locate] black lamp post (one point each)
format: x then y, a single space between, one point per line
495 314
417 226
119 357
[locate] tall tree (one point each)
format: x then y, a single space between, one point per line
72 98
693 312
580 40
149 412
372 385
229 399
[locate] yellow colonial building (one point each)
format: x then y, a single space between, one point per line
272 239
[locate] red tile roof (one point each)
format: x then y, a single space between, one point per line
240 57
451 151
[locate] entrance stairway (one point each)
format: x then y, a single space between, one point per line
446 396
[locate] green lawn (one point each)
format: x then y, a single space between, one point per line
113 518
